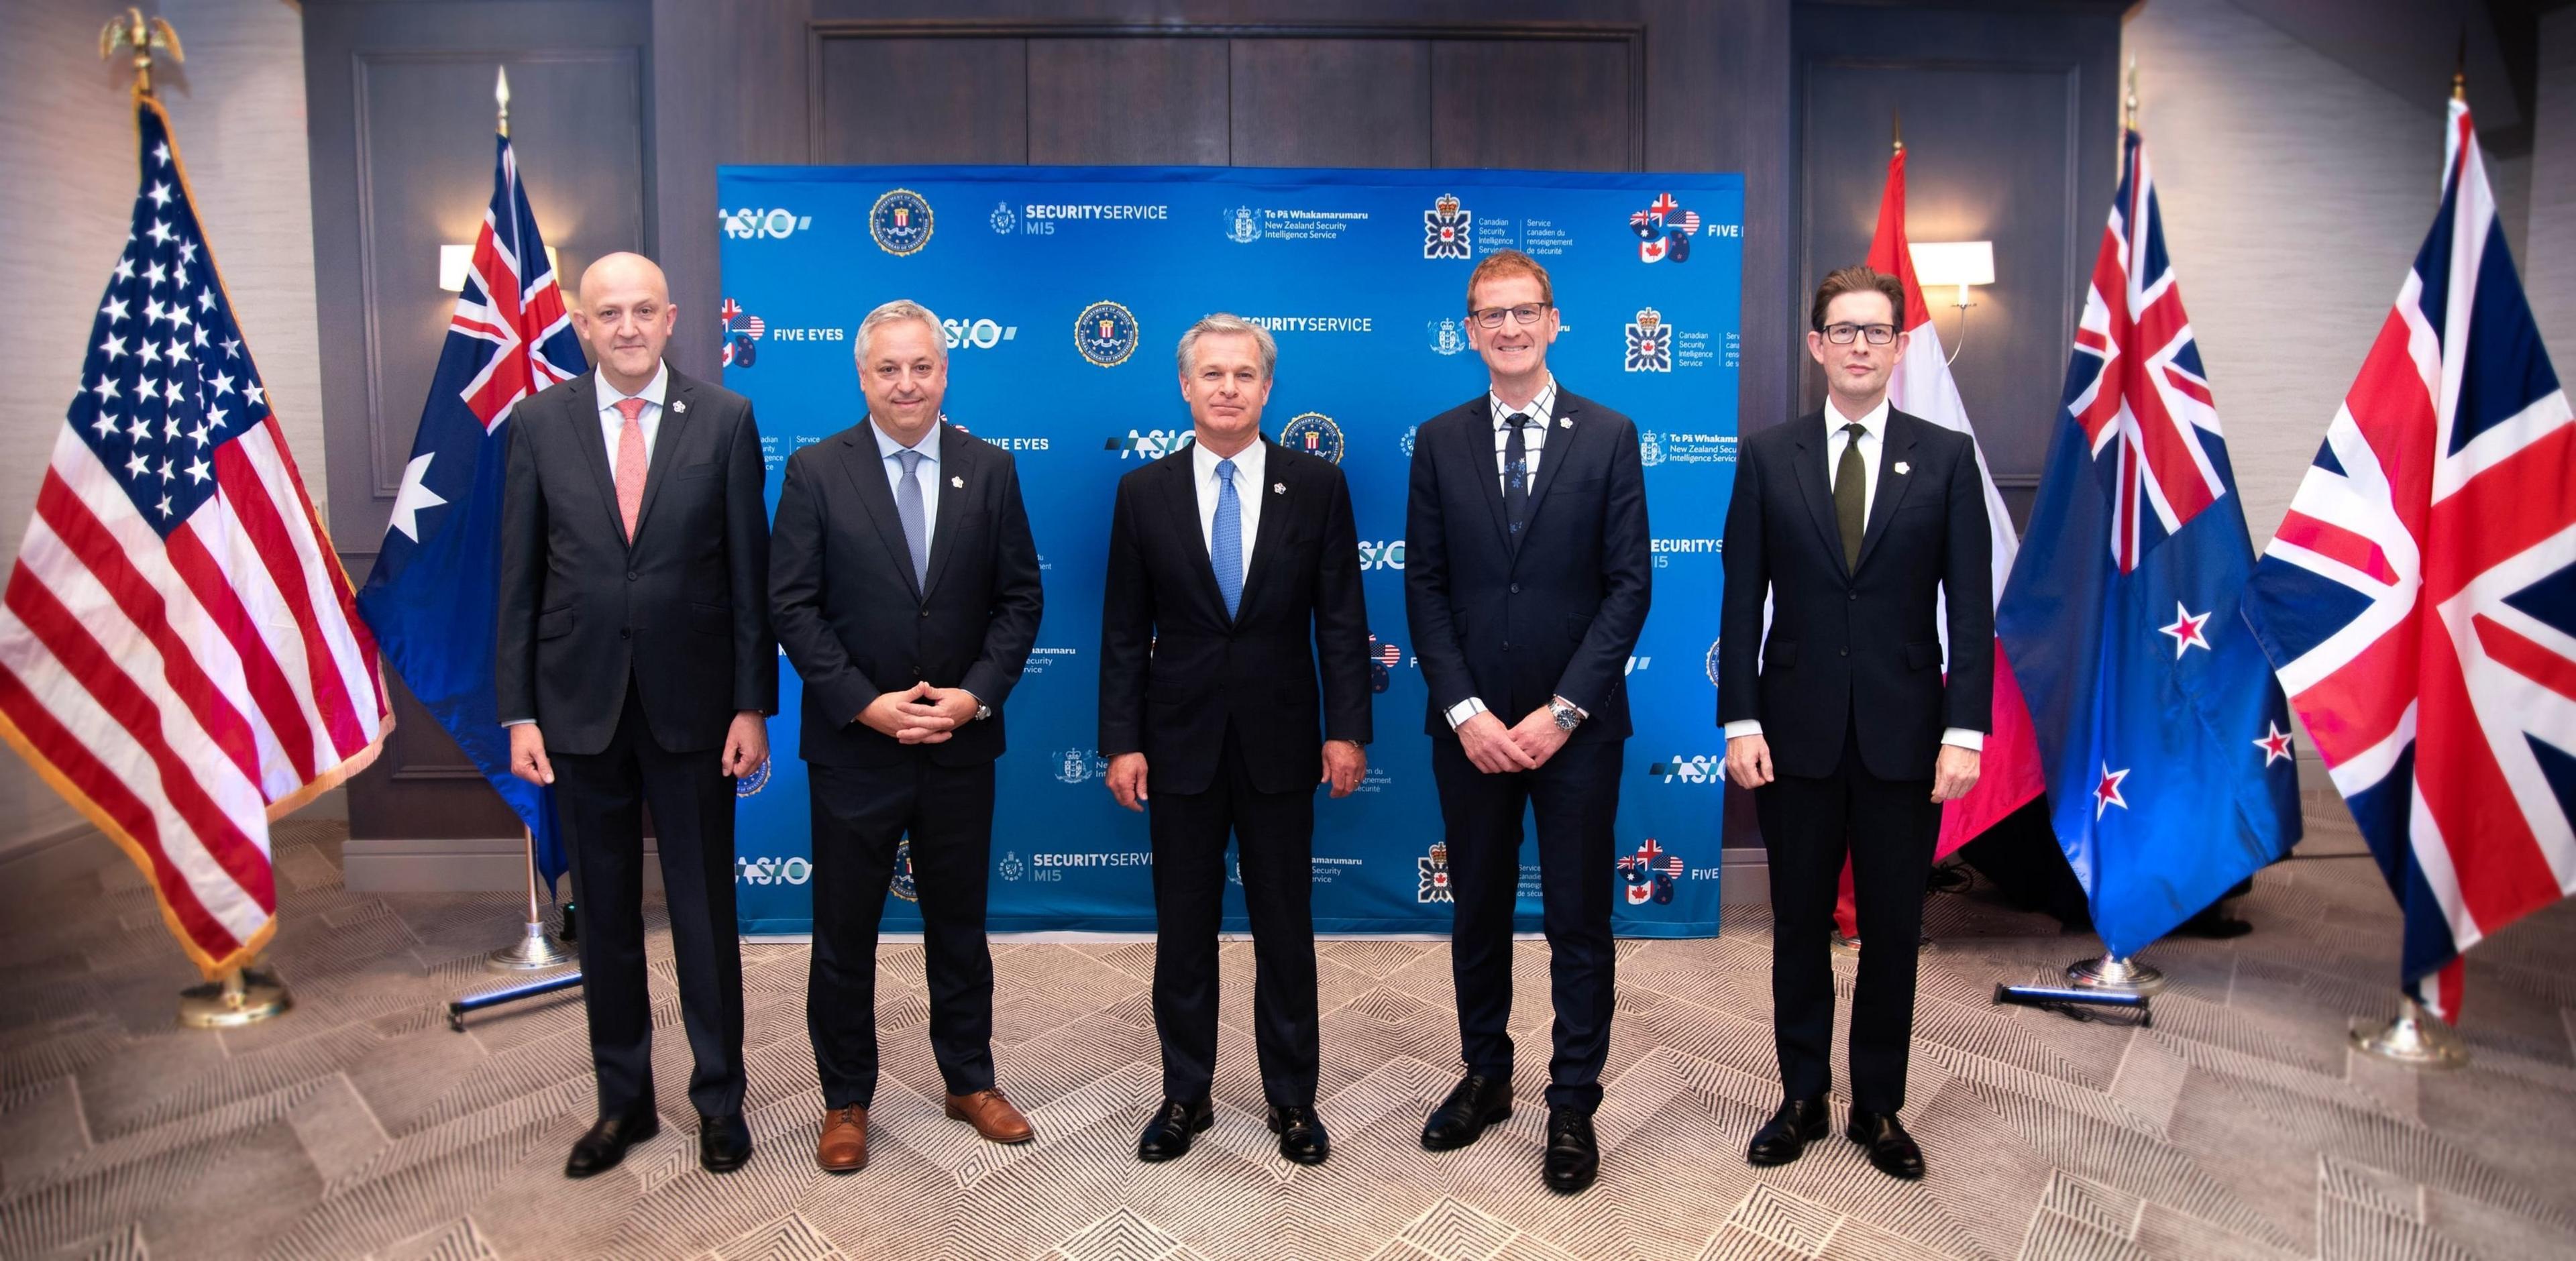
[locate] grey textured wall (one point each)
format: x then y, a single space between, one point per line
2548 250
67 151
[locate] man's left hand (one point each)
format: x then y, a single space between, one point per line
1539 736
1954 774
1344 763
955 704
746 743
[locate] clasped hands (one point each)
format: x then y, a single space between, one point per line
1524 746
921 714
1954 772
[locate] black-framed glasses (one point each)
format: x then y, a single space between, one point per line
1842 334
1526 313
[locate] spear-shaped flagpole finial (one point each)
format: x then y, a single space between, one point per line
501 97
2460 67
1896 128
2129 106
133 31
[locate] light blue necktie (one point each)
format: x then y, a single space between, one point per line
1225 548
907 507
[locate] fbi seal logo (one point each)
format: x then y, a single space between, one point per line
900 222
1105 333
1315 434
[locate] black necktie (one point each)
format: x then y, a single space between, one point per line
1516 477
1851 495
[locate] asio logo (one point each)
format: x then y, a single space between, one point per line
1150 444
773 224
772 870
1703 769
976 334
1382 555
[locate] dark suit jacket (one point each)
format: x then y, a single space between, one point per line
854 622
1840 638
1174 670
681 611
1557 616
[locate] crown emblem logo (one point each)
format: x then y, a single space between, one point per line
1448 203
1649 318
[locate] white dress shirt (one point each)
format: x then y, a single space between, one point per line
1248 489
927 476
1873 443
611 420
1540 411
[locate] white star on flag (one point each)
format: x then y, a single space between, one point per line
156 273
160 194
106 426
197 470
161 154
138 466
2107 793
414 496
141 430
256 393
150 352
2275 746
187 251
161 235
105 389
113 347
124 271
2186 631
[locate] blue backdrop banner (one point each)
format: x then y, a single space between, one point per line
1062 291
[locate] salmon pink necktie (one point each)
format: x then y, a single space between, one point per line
630 463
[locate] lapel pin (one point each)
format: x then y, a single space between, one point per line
1279 488
1565 422
679 405
1902 469
958 482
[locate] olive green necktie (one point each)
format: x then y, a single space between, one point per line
1851 496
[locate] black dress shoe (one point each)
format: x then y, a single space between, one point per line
1782 1138
1478 1101
1889 1146
1301 1134
1167 1136
1573 1155
599 1150
723 1143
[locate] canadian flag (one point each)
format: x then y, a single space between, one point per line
2009 772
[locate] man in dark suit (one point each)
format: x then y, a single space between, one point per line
1856 521
905 589
1526 583
1233 576
634 665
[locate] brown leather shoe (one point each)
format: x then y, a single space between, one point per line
844 1147
991 1115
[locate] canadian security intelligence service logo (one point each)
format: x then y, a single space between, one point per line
1650 343
1105 333
1242 226
1010 866
901 884
900 222
1446 337
1664 230
1002 219
1383 659
1406 441
739 338
1444 229
1649 874
748 222
1313 433
751 784
1435 875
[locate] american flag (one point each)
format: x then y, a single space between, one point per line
1389 655
433 596
2161 733
2420 596
179 656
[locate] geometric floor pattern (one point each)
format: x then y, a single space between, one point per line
2239 1125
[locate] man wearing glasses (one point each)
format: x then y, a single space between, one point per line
1855 520
1525 585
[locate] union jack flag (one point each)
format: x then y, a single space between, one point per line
433 595
2420 596
178 654
2161 733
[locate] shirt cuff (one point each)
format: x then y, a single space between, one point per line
518 722
1464 710
1961 737
1743 727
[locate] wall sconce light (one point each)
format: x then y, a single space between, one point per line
1960 263
456 261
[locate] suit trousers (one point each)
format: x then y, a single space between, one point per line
861 814
1275 836
1575 797
1890 828
599 801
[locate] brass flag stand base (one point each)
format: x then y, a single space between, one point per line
244 996
2115 974
2416 1038
535 952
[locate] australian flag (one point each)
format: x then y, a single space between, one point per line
2165 742
432 598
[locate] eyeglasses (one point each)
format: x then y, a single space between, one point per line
1492 316
1878 334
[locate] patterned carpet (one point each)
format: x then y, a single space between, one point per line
2238 1126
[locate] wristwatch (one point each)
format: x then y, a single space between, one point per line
982 711
1563 711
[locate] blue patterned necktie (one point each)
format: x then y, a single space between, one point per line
1225 542
916 523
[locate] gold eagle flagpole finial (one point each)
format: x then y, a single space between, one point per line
142 35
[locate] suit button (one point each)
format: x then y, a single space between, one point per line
1516 588
1842 652
925 613
1507 645
631 575
625 632
1853 594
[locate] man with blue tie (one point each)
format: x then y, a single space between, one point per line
1233 582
